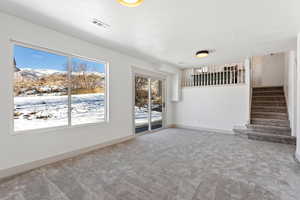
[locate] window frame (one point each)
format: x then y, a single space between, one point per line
69 70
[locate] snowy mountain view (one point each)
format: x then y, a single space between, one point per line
41 99
45 92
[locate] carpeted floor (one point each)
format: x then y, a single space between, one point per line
168 165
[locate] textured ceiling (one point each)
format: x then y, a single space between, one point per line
171 31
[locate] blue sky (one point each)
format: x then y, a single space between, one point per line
36 59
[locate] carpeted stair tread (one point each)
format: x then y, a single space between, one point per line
268 137
271 122
269 113
272 138
271 109
269 98
279 88
267 93
270 129
268 103
265 115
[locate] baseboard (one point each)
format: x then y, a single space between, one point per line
10 172
171 126
204 129
240 127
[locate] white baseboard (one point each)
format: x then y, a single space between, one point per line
204 129
6 173
240 127
171 126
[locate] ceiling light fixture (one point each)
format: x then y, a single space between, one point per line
202 53
130 3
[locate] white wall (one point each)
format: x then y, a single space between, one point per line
175 85
268 70
24 148
290 82
298 99
213 107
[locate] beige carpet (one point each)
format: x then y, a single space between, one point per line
168 165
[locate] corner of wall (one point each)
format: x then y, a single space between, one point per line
298 99
297 155
176 87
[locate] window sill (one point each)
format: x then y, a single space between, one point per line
58 128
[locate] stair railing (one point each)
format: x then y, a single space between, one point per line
213 75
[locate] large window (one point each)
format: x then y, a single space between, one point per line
53 90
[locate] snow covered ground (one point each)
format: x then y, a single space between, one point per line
36 112
141 116
88 108
51 111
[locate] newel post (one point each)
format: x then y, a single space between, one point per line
247 65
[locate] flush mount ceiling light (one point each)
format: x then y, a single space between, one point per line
202 53
130 3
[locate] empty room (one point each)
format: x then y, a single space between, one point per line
149 100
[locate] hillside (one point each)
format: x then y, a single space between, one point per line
45 81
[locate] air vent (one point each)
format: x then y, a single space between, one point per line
100 23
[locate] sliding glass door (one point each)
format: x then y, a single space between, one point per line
141 104
156 104
149 104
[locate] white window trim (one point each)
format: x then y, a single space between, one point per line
69 57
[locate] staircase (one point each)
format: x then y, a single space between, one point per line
269 117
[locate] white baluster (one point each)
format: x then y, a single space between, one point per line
226 75
223 77
244 75
210 76
184 78
190 78
238 75
233 73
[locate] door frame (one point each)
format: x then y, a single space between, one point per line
155 76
